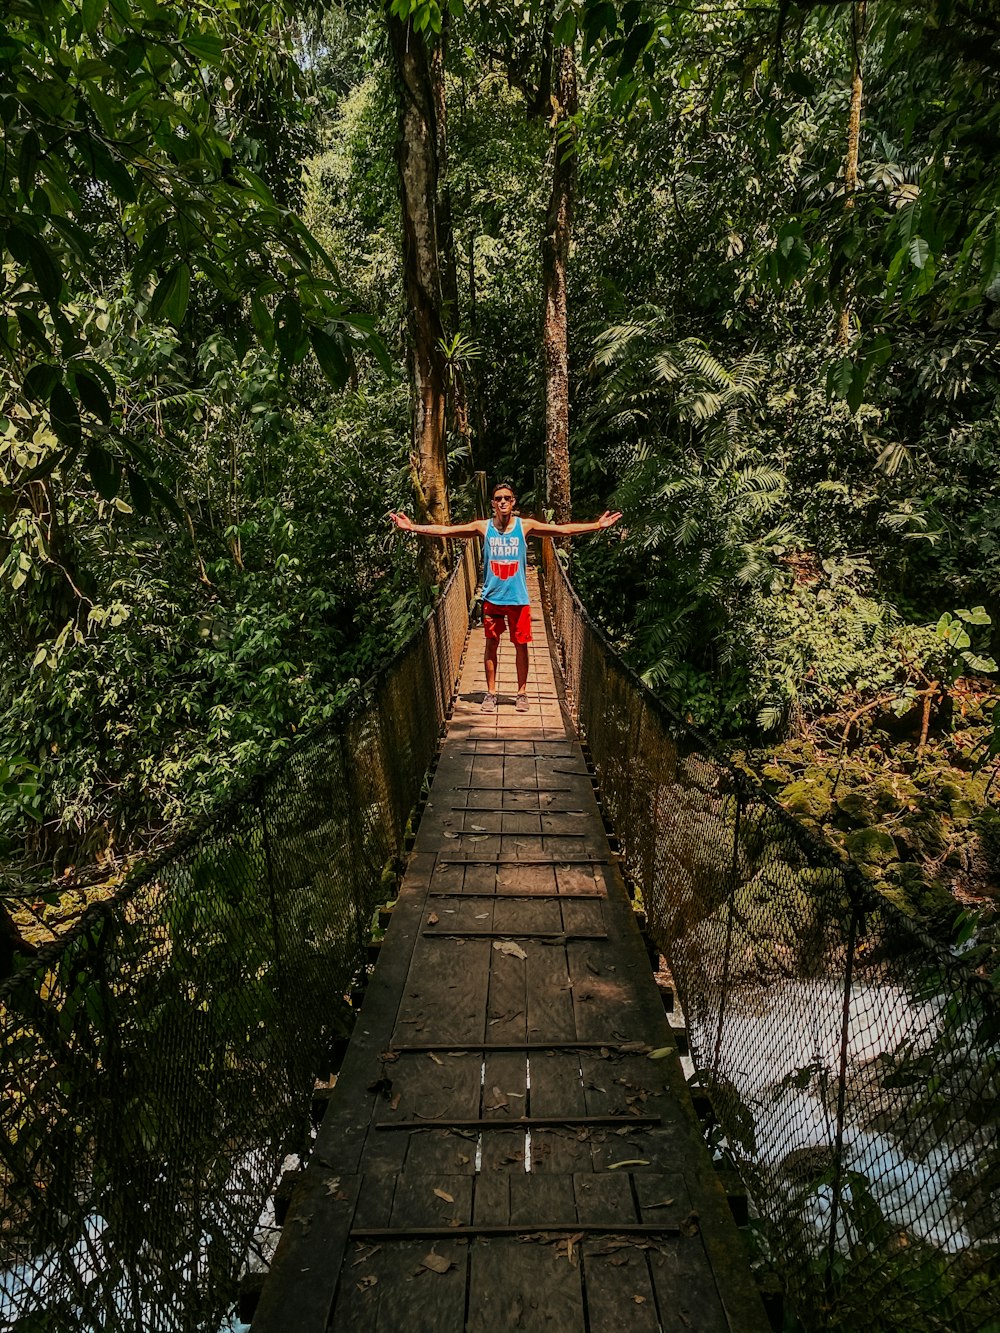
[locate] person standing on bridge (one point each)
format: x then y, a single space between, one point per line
505 583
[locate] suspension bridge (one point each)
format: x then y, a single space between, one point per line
510 1137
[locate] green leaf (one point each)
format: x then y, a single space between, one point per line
977 663
839 378
33 329
977 616
142 499
40 380
166 498
856 393
106 167
28 248
170 300
918 250
331 358
27 162
104 472
93 12
565 30
635 44
153 250
207 46
261 317
64 416
290 332
92 396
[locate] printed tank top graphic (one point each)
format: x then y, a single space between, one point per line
505 580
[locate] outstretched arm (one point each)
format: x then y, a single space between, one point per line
477 528
532 527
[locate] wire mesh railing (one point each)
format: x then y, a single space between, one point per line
160 1058
853 1063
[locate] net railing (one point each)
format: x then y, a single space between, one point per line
852 1063
159 1060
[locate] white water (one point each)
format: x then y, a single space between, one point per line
796 1024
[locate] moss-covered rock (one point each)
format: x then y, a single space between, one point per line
894 794
809 796
855 810
921 833
872 848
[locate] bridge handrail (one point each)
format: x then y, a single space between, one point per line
161 1056
851 1062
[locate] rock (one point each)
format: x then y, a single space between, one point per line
807 797
872 848
854 810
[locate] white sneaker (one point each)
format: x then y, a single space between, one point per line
489 703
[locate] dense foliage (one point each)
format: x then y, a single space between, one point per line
784 375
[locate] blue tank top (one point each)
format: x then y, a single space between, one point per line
505 573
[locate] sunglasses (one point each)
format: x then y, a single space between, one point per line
503 499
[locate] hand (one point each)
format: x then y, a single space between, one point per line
608 519
402 521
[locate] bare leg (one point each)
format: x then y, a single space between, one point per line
490 662
521 656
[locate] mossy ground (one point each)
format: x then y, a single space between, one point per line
920 820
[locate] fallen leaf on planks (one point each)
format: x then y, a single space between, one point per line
437 1263
629 1161
433 919
436 1058
510 948
661 1203
443 1194
367 1282
662 1052
568 1246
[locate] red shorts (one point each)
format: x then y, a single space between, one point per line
517 619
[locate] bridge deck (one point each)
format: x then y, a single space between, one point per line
500 1150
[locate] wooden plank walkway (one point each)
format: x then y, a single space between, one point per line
500 1152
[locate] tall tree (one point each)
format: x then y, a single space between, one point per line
859 15
418 72
555 262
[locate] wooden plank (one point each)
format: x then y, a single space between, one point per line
387 1287
434 1199
446 988
620 1291
523 1285
412 1296
302 1282
551 1010
556 1090
426 1085
684 1284
504 1093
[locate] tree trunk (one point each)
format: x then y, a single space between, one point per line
555 260
859 13
445 228
417 162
